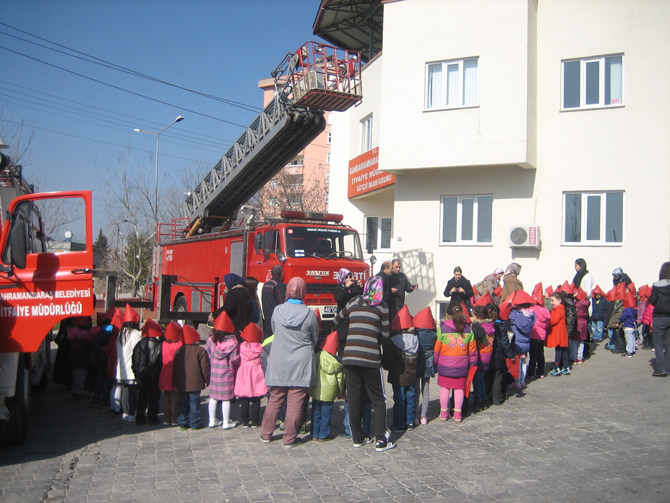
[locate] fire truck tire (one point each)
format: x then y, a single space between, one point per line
13 431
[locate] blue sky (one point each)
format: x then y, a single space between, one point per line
81 127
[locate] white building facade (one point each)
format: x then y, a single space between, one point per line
552 116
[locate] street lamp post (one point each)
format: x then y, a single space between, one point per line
158 134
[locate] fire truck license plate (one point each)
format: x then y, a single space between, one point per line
330 309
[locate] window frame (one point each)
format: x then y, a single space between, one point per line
583 62
378 245
443 94
366 133
459 221
584 220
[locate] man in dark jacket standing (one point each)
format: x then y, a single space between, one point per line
147 364
273 294
400 285
385 274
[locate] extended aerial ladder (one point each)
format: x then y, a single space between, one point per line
314 79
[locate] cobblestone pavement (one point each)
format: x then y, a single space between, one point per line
601 434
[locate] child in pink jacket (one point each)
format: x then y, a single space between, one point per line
538 335
172 342
250 381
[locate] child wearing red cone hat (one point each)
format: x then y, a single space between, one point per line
328 386
521 321
129 336
455 352
538 335
424 323
578 338
628 320
224 357
172 343
147 363
402 363
483 329
250 380
190 375
558 336
597 316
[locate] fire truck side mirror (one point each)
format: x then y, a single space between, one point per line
18 244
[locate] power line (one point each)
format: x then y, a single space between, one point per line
120 88
107 64
104 142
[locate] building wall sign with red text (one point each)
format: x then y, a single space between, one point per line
365 176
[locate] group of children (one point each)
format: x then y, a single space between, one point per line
495 345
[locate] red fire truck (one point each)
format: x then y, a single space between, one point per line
195 252
39 287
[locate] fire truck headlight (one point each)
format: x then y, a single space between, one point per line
281 256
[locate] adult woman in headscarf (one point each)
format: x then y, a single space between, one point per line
238 304
367 319
583 278
511 281
490 282
347 288
459 290
290 371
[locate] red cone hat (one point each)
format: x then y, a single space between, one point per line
580 294
538 296
505 309
151 329
549 291
424 319
191 335
330 343
403 319
498 291
522 298
252 333
484 300
223 323
131 315
117 319
629 300
173 331
599 291
619 291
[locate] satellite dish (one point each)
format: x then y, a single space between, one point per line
68 235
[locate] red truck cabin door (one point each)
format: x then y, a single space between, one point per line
52 279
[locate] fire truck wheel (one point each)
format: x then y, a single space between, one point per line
13 431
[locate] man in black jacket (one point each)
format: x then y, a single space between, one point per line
400 285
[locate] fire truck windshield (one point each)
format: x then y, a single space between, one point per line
323 242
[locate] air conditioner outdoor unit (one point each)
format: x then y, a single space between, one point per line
524 236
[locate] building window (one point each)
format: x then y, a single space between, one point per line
467 219
366 131
327 157
272 202
594 218
330 138
378 233
593 82
452 84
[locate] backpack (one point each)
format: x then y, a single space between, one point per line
571 320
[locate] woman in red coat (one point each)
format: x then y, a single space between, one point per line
558 336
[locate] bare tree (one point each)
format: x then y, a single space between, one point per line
128 200
19 138
293 188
